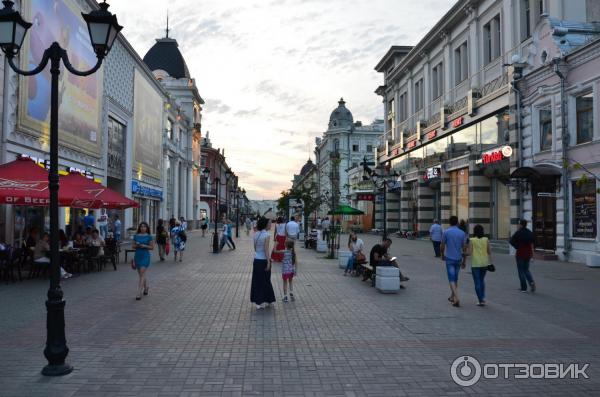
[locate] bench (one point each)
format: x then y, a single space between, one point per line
367 271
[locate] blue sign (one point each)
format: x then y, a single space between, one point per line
145 191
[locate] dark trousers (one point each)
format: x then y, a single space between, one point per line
231 241
436 248
524 273
479 280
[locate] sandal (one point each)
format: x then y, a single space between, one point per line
146 290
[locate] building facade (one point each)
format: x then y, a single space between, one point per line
343 146
452 129
561 139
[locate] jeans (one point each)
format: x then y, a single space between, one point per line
350 264
224 240
452 268
524 273
436 248
478 278
103 229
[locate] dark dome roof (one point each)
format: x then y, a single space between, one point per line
341 117
307 167
165 55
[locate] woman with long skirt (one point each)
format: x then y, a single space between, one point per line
279 237
261 290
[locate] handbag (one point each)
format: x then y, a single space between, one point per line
360 257
133 267
167 247
491 268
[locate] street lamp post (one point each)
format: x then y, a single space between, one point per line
103 29
238 196
217 182
382 182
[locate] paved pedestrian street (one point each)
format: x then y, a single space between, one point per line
196 333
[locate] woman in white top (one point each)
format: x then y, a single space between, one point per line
261 290
356 246
279 235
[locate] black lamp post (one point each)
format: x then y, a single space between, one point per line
238 196
217 182
103 30
382 182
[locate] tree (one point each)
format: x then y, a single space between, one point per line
308 195
587 174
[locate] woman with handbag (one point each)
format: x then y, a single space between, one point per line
143 244
481 255
356 246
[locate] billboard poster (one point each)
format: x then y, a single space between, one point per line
80 98
147 114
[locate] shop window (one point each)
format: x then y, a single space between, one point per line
585 119
459 193
491 39
545 129
460 142
584 209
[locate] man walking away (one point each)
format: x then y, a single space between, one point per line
435 234
454 241
522 241
325 226
292 229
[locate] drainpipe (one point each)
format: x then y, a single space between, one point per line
565 169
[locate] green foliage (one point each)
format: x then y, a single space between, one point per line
308 195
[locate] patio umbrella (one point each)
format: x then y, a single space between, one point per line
106 197
24 182
345 210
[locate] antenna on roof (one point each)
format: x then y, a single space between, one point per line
167 24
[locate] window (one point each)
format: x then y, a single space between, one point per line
585 119
403 108
391 119
584 208
418 95
545 129
355 148
525 19
336 145
437 81
169 129
491 40
369 148
461 64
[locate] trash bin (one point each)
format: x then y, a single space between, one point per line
343 258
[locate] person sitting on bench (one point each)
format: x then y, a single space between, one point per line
379 257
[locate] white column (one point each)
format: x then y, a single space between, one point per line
163 206
190 195
473 50
176 187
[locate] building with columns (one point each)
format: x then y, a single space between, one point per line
182 131
342 147
453 131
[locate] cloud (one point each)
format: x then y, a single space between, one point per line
244 113
216 105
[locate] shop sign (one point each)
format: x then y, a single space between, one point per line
431 134
42 162
87 174
496 155
145 191
411 144
432 173
458 122
395 152
365 197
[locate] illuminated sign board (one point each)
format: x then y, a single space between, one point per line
411 144
458 122
496 155
365 197
432 173
432 134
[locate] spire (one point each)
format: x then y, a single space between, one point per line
167 36
342 102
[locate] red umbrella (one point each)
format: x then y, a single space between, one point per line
106 197
24 182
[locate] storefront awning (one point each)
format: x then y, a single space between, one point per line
536 172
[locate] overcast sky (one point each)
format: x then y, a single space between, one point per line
271 71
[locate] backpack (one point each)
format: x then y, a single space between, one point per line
182 235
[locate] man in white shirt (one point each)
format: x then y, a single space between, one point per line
325 226
292 229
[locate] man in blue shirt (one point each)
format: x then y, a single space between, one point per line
435 234
452 248
89 220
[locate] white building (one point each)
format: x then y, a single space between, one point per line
343 146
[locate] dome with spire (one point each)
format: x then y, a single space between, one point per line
306 168
341 117
165 55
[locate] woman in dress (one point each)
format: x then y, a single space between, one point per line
143 244
161 239
279 237
261 291
177 240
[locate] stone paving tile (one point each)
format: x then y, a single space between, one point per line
196 334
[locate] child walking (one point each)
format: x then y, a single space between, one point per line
288 269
